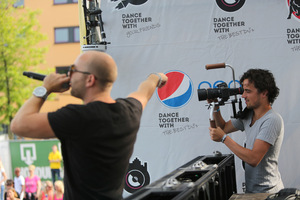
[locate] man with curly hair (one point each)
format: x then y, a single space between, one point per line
264 132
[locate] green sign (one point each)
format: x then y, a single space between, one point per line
33 152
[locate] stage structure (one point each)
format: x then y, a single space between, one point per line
205 178
179 38
92 35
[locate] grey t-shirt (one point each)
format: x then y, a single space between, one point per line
264 178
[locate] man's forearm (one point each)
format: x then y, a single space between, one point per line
220 122
28 122
149 85
22 119
31 106
238 150
147 88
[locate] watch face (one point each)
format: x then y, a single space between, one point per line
40 92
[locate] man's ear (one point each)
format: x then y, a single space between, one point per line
90 81
265 93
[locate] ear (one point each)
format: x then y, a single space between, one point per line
265 93
90 81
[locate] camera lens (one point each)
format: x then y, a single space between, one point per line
204 94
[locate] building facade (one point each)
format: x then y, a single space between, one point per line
59 20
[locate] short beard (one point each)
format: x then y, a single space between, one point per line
252 107
75 94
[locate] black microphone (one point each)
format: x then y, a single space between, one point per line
33 75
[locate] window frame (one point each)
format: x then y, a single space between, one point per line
71 35
66 2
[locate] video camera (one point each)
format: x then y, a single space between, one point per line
222 91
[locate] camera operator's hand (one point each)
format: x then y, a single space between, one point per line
212 100
216 134
54 82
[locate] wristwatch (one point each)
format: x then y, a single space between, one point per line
40 92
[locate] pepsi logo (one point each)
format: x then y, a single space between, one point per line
178 91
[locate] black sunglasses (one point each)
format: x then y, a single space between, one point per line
72 69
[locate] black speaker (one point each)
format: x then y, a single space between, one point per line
205 177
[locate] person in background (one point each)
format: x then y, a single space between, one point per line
264 130
59 190
98 136
11 194
19 181
32 185
55 159
10 184
47 192
2 180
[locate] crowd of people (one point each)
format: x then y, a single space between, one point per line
30 187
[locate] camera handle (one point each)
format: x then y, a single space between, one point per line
223 65
211 118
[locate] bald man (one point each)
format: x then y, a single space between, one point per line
97 138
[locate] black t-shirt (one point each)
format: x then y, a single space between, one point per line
97 141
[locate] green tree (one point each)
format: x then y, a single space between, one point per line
19 51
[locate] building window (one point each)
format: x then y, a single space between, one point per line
64 1
19 3
66 35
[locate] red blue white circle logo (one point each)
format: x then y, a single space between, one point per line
178 91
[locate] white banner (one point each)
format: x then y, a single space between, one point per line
179 38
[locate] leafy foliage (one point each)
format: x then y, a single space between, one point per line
19 51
